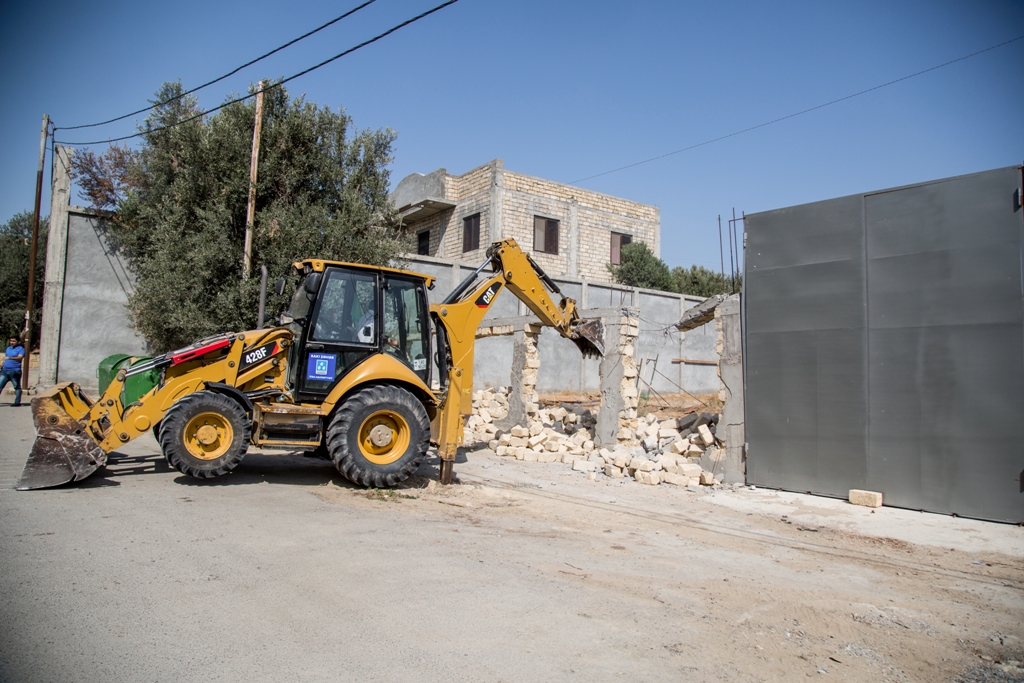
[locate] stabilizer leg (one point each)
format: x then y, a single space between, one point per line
447 466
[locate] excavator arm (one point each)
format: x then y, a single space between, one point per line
461 313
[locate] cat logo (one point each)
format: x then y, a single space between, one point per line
485 299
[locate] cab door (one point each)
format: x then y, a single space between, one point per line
406 326
343 331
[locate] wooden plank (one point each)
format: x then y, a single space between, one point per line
693 361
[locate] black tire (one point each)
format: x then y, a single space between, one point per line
212 448
156 435
351 434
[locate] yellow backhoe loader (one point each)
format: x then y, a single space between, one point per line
347 372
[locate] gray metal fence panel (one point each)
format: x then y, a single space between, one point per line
806 395
885 346
947 345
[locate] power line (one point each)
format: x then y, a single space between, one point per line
230 73
269 87
799 113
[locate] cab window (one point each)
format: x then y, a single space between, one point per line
405 324
347 312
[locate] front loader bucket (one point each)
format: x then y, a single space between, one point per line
63 450
589 337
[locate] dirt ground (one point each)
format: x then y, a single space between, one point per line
521 572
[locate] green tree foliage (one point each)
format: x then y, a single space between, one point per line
639 267
181 203
15 249
699 281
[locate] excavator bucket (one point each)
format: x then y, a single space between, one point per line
588 335
63 450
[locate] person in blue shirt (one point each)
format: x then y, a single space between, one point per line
11 371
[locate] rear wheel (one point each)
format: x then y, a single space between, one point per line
204 434
378 437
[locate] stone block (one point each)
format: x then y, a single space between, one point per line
649 478
613 471
531 455
549 456
516 441
871 499
521 432
706 437
536 428
689 470
674 479
584 466
501 450
536 440
493 444
707 479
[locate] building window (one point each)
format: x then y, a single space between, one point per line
471 233
545 235
619 240
423 243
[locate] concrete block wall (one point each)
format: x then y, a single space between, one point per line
587 221
508 202
564 368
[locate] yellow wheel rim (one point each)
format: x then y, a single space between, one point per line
384 437
208 436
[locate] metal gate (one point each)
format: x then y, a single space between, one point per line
885 346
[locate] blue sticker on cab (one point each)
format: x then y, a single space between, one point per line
320 367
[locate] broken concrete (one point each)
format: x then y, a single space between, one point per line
730 369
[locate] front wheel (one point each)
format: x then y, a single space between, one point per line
204 434
378 436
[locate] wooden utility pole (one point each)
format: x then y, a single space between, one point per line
253 168
29 308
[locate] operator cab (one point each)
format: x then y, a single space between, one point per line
344 314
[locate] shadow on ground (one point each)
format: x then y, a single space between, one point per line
288 468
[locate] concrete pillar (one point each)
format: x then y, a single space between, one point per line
730 370
56 258
574 238
456 277
497 200
523 400
617 419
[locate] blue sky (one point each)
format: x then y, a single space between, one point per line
565 90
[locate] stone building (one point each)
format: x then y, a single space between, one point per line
569 231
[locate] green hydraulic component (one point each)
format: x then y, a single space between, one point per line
135 386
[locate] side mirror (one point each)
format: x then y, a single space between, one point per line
279 287
312 283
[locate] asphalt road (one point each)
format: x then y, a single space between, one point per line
524 572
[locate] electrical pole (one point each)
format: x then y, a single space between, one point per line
721 249
253 168
27 335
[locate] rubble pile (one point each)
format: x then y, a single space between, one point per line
669 451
